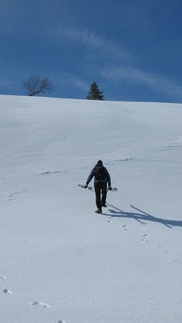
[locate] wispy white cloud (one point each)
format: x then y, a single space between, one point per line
94 42
69 79
79 83
137 76
111 53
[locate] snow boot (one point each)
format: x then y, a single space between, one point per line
104 205
99 210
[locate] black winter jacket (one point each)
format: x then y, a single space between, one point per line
106 179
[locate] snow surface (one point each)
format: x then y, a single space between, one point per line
59 260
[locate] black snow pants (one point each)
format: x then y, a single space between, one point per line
100 193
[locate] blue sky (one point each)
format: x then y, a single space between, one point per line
131 48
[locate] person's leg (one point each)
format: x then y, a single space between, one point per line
97 188
104 193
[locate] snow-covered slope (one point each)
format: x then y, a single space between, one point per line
59 260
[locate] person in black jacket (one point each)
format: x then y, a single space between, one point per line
101 178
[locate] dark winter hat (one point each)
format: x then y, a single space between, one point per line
100 162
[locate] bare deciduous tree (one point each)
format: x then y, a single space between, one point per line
37 86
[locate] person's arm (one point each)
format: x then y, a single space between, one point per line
91 175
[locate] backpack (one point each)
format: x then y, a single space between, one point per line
100 173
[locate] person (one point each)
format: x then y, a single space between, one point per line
101 178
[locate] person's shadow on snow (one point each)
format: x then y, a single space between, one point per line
141 216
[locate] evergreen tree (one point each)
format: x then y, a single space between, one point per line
95 93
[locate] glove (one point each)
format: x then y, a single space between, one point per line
86 186
109 187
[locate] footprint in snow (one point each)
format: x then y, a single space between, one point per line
159 246
10 196
109 220
48 173
40 303
7 291
143 238
125 227
167 252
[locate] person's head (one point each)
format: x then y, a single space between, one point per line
100 163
